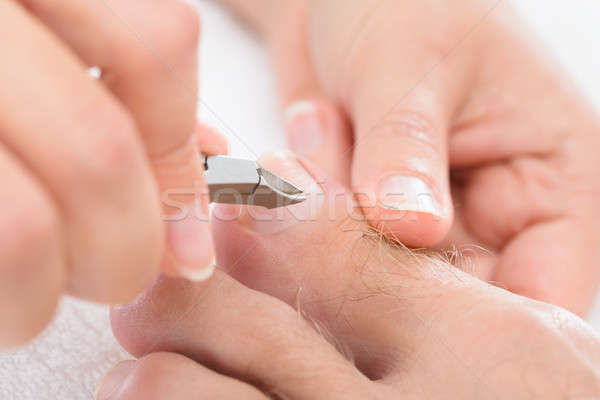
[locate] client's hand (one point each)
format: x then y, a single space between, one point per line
330 310
432 87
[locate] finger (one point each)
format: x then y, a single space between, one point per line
400 166
317 129
554 262
80 143
32 272
548 249
149 61
210 141
401 95
265 341
169 376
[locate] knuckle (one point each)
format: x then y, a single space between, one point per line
566 324
532 318
173 36
410 128
187 20
538 326
545 323
552 327
30 223
110 149
113 153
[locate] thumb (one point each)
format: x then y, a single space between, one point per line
400 171
401 104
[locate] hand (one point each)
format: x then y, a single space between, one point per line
83 161
432 88
364 320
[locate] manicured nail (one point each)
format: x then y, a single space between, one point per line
191 244
286 165
306 128
199 275
407 193
112 382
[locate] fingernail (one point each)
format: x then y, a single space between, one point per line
199 275
112 382
305 127
286 165
191 244
407 193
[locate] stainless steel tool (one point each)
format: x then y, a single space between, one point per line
237 181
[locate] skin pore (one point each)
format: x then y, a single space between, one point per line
325 308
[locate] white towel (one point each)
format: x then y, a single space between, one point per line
66 361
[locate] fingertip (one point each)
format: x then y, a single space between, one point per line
210 141
407 208
190 247
26 327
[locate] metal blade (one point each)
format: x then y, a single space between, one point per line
236 181
278 182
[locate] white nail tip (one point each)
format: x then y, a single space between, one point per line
299 108
405 193
428 209
200 275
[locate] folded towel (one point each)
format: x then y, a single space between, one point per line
66 361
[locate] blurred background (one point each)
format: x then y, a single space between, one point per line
238 96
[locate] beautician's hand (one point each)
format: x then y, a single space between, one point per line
433 87
83 161
363 320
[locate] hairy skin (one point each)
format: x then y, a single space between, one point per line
433 87
354 317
